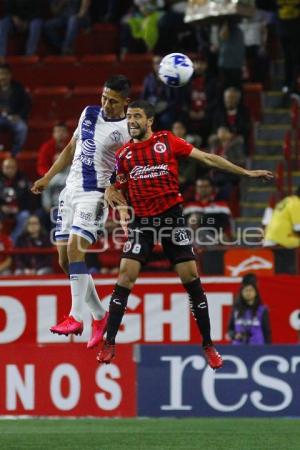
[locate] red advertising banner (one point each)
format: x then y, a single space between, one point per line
158 309
65 380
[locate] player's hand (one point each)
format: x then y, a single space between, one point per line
40 185
114 197
266 175
124 219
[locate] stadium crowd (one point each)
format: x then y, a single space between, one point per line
210 112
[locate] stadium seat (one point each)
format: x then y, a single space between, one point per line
39 132
57 71
50 102
136 67
83 96
24 68
99 59
5 141
253 99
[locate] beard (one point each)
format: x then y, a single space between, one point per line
138 134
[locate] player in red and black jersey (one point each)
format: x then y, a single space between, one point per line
147 172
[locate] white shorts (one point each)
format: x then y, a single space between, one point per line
81 213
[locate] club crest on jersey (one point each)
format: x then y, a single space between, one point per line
115 136
160 147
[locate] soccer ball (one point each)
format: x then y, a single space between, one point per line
175 69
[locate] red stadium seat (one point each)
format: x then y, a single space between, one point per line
57 70
253 99
81 97
136 67
5 141
50 102
24 68
102 38
138 58
99 59
39 132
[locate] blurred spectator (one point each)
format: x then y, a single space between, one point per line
202 98
234 115
68 17
33 237
249 322
14 108
50 148
204 211
174 34
283 226
289 34
231 54
109 10
187 168
14 197
255 37
22 16
170 104
5 245
139 28
230 146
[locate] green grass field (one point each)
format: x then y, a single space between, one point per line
150 434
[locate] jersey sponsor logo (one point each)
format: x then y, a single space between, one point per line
88 147
115 136
160 147
143 172
85 160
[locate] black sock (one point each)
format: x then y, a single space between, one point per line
199 308
117 307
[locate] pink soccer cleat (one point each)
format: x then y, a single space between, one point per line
107 353
213 358
98 330
68 326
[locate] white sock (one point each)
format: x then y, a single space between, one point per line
93 301
79 279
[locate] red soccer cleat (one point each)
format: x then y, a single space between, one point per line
107 353
98 330
213 358
68 326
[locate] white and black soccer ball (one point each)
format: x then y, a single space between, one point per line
175 69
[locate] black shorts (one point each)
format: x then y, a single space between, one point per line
168 229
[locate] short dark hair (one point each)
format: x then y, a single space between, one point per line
147 107
119 83
5 66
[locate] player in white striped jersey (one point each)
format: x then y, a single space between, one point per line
91 152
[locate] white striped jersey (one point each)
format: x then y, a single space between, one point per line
97 140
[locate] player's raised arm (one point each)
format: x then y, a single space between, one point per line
217 162
64 160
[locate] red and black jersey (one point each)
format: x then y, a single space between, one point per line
150 171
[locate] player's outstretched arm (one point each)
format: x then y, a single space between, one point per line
217 162
64 160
